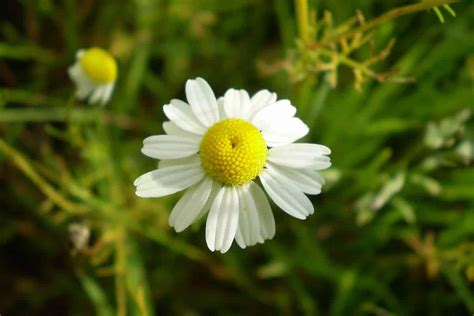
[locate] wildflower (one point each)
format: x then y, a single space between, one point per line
217 149
94 73
79 235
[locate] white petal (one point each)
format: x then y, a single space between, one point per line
169 146
108 89
74 71
80 52
171 128
83 90
202 100
220 107
301 156
236 103
191 160
278 111
238 235
188 162
167 181
248 232
96 95
265 214
279 133
215 189
308 181
180 113
260 100
286 195
223 219
188 208
85 86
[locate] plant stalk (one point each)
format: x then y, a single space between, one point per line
302 14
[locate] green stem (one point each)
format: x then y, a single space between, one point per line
25 166
120 262
62 114
349 62
302 20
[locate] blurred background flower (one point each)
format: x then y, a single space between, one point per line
94 74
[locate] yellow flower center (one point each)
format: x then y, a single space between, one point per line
233 152
99 65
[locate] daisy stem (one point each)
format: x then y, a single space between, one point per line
302 14
107 161
111 192
72 127
120 263
69 107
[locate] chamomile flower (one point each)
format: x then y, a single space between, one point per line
218 148
94 73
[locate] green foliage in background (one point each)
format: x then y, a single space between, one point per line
393 231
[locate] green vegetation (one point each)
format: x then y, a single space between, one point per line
393 231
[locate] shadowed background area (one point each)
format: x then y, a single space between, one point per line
393 230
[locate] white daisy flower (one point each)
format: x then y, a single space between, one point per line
94 73
218 148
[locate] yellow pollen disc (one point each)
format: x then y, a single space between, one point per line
99 65
233 152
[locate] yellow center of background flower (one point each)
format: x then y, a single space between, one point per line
233 152
99 65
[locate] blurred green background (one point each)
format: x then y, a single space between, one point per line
393 231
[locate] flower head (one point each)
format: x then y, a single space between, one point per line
94 73
217 149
